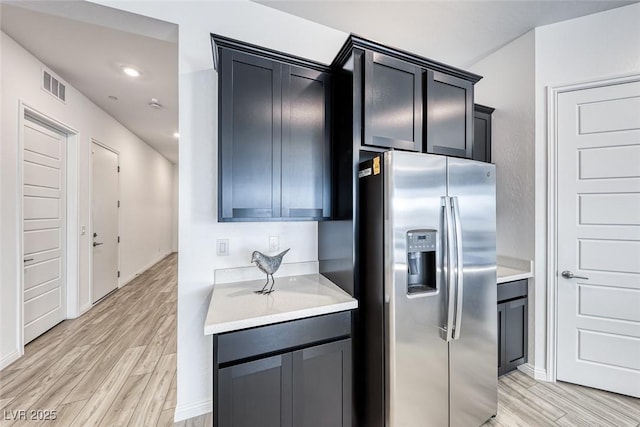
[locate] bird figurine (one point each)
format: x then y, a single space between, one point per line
269 265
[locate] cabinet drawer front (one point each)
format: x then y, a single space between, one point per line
281 336
510 290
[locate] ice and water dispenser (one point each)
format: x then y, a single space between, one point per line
421 261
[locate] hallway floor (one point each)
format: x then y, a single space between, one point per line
113 366
116 366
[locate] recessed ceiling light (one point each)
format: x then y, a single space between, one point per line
130 71
176 135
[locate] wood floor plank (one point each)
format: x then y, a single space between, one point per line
106 393
569 406
544 408
155 348
592 405
170 401
126 401
152 400
166 418
66 413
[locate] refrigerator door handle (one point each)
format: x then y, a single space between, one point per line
448 219
459 267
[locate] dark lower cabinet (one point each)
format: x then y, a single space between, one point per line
256 393
512 325
322 385
482 133
293 374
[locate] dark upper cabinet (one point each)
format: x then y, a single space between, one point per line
250 136
482 133
449 121
392 103
305 144
274 130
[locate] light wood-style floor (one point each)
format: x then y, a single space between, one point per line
116 366
113 366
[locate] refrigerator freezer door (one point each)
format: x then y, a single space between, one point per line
416 379
473 356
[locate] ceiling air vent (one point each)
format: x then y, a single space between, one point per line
53 86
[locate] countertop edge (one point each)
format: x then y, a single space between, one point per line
237 325
514 277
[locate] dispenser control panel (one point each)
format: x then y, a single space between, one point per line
421 241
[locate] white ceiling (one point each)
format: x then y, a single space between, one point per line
85 43
65 36
458 33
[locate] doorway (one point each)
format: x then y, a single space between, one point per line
44 291
105 206
597 263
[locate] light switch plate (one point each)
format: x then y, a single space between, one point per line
274 243
222 247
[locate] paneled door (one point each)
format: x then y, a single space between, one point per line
104 206
598 238
43 207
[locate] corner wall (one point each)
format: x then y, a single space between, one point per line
198 150
508 85
145 185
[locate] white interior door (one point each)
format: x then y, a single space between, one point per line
104 174
43 212
599 237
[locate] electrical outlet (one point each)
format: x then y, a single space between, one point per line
222 247
274 243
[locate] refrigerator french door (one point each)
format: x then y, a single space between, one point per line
426 329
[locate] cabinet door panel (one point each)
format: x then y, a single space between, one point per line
250 123
449 115
482 133
515 331
322 385
501 339
256 393
393 103
305 144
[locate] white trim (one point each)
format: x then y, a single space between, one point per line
143 269
72 238
184 412
552 206
533 372
90 163
9 359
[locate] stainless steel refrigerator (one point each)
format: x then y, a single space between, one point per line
426 331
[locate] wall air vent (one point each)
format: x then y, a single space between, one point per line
54 86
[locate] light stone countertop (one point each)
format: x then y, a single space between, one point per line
511 269
236 306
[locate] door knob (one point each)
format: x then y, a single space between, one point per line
97 244
569 275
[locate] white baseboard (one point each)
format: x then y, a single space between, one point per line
533 372
9 359
184 412
85 308
128 279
